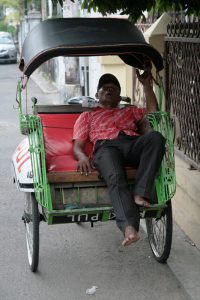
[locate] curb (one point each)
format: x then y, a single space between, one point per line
46 86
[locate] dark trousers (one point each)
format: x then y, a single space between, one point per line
142 152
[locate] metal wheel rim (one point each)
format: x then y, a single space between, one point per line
29 243
157 237
29 230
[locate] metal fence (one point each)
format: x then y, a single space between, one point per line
182 59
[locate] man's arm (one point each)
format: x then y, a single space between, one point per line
84 165
80 137
151 101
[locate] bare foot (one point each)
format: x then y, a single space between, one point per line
131 236
141 201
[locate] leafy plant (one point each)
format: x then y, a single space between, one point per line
135 8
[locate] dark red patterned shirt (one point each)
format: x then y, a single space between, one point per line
105 124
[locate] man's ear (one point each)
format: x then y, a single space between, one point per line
96 95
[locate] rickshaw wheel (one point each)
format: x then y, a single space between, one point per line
160 234
31 220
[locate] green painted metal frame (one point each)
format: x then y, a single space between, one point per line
31 125
166 180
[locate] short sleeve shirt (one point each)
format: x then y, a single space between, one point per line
105 124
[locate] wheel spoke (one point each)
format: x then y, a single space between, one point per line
159 234
29 241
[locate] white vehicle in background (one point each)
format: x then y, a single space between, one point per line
8 50
6 34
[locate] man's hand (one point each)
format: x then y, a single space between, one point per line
84 165
144 126
145 78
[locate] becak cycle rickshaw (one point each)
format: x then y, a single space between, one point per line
44 165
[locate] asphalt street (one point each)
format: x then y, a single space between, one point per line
74 258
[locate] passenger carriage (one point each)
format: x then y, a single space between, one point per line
43 163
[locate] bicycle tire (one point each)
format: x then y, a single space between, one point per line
31 221
159 233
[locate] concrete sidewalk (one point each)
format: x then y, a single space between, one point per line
184 260
186 204
50 91
45 85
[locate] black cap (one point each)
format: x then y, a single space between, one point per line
107 78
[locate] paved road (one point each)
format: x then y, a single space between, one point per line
74 258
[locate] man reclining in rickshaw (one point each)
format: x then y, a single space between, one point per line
114 132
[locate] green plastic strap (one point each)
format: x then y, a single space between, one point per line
161 92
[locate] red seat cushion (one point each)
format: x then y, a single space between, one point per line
58 144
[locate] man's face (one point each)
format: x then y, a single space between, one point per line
109 95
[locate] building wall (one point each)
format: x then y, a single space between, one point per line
186 202
114 65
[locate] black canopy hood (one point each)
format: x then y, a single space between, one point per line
87 37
